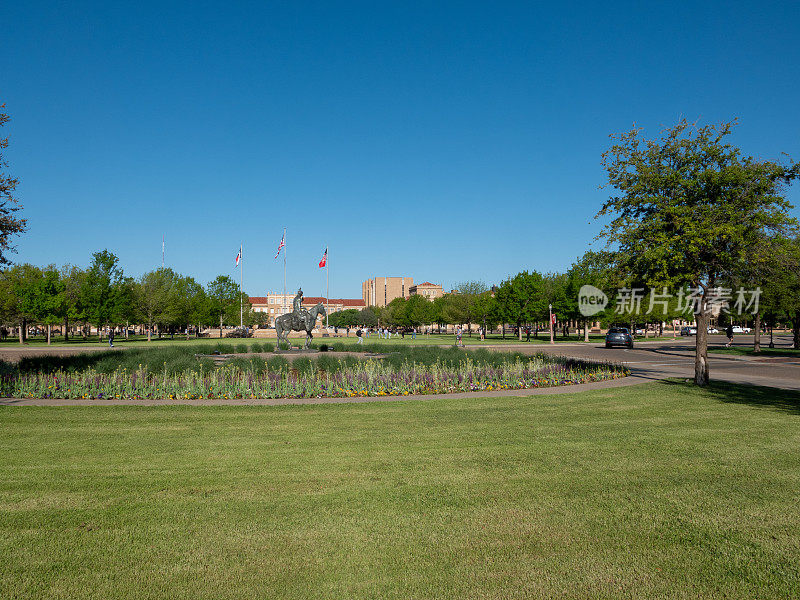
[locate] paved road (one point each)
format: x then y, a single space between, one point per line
659 360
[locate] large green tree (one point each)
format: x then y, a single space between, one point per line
223 300
690 208
520 299
102 292
10 223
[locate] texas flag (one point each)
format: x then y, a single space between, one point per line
324 260
239 256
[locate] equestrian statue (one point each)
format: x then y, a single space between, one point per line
299 319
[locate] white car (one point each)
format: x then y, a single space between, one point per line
740 329
713 330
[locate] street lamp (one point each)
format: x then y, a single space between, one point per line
550 308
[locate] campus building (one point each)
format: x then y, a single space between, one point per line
427 290
279 304
379 291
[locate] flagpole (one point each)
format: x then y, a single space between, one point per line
327 289
284 270
162 250
241 281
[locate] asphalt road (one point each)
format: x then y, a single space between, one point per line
660 360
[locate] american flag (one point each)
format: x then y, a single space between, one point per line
239 256
280 246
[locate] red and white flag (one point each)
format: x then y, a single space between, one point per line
553 318
281 245
239 256
324 260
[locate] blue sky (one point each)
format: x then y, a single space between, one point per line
443 141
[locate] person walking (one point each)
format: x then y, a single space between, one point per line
729 334
111 337
358 335
458 337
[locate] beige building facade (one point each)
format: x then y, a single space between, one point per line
379 291
276 305
427 290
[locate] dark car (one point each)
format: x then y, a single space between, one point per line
688 330
619 336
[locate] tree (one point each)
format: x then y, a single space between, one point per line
691 209
102 293
367 318
10 224
25 285
72 278
782 290
223 300
418 310
152 298
520 300
468 292
593 268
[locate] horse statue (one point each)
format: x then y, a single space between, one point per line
294 322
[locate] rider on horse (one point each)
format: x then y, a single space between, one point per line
299 314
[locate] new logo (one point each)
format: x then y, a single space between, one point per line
591 300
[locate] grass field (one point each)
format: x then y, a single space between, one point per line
748 351
651 491
434 339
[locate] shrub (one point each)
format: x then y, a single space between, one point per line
267 347
256 347
241 348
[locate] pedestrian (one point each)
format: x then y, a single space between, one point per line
527 334
729 334
413 333
358 335
458 337
111 337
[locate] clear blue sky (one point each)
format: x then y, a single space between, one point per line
445 141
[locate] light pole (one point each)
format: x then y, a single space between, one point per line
550 307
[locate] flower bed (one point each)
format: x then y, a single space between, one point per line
365 378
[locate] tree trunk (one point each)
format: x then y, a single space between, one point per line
586 330
519 330
796 332
49 329
66 329
757 334
22 332
701 374
149 332
220 326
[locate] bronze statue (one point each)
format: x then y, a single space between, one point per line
299 319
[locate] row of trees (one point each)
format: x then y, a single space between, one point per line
102 296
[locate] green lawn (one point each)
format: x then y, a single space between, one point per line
434 339
650 491
748 351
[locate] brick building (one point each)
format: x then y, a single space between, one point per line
278 304
427 290
379 291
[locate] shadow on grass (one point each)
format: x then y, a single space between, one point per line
744 393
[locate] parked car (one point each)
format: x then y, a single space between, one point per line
713 330
740 329
619 336
688 330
